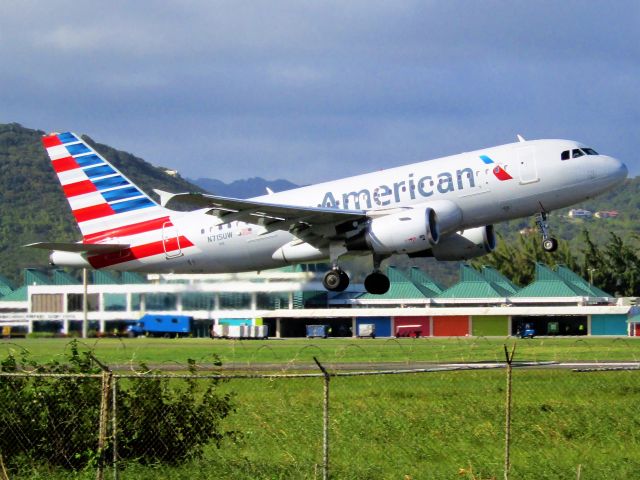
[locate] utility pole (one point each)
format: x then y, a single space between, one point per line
85 306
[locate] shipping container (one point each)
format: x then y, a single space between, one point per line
411 326
451 326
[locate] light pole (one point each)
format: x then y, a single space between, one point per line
85 306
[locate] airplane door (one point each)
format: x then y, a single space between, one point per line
527 165
171 240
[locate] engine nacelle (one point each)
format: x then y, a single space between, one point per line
404 232
68 259
467 244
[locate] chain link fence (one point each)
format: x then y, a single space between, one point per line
474 421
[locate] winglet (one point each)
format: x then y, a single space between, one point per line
521 138
165 197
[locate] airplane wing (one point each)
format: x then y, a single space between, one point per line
91 248
270 215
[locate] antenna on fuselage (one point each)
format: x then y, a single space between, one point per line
521 138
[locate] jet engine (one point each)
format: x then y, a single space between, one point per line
404 232
467 244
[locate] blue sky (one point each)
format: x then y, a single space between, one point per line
312 91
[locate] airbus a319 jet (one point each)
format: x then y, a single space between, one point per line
444 208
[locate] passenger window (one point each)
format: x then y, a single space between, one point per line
577 153
565 155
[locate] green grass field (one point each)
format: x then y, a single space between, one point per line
245 353
441 425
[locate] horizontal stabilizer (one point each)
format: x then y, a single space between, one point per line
91 248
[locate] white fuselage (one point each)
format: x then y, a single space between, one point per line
489 186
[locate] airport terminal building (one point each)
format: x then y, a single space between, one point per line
481 303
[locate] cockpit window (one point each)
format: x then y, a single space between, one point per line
577 152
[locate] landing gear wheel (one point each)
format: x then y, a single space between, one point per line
550 244
335 280
377 283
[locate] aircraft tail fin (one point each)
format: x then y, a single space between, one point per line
101 198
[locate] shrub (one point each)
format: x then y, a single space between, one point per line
54 420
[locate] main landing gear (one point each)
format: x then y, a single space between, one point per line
549 244
336 280
377 282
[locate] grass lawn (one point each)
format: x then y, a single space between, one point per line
175 352
440 425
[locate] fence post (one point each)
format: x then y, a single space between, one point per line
104 418
507 426
114 427
325 424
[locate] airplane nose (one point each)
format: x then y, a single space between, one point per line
610 171
618 169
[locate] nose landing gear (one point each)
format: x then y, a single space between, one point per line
549 244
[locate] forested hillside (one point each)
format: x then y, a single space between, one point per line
32 206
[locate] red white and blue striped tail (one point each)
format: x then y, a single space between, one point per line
101 198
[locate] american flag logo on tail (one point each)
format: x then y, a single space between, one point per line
106 204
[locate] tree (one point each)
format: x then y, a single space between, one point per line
615 268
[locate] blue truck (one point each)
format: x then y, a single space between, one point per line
161 326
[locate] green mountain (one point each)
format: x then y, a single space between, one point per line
32 206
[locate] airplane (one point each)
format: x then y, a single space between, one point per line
443 208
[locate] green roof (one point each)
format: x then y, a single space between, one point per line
5 290
493 275
474 285
132 277
60 277
550 284
425 283
18 295
104 277
576 280
5 286
401 287
35 277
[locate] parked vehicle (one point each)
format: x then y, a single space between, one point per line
526 332
317 331
240 331
161 326
367 330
